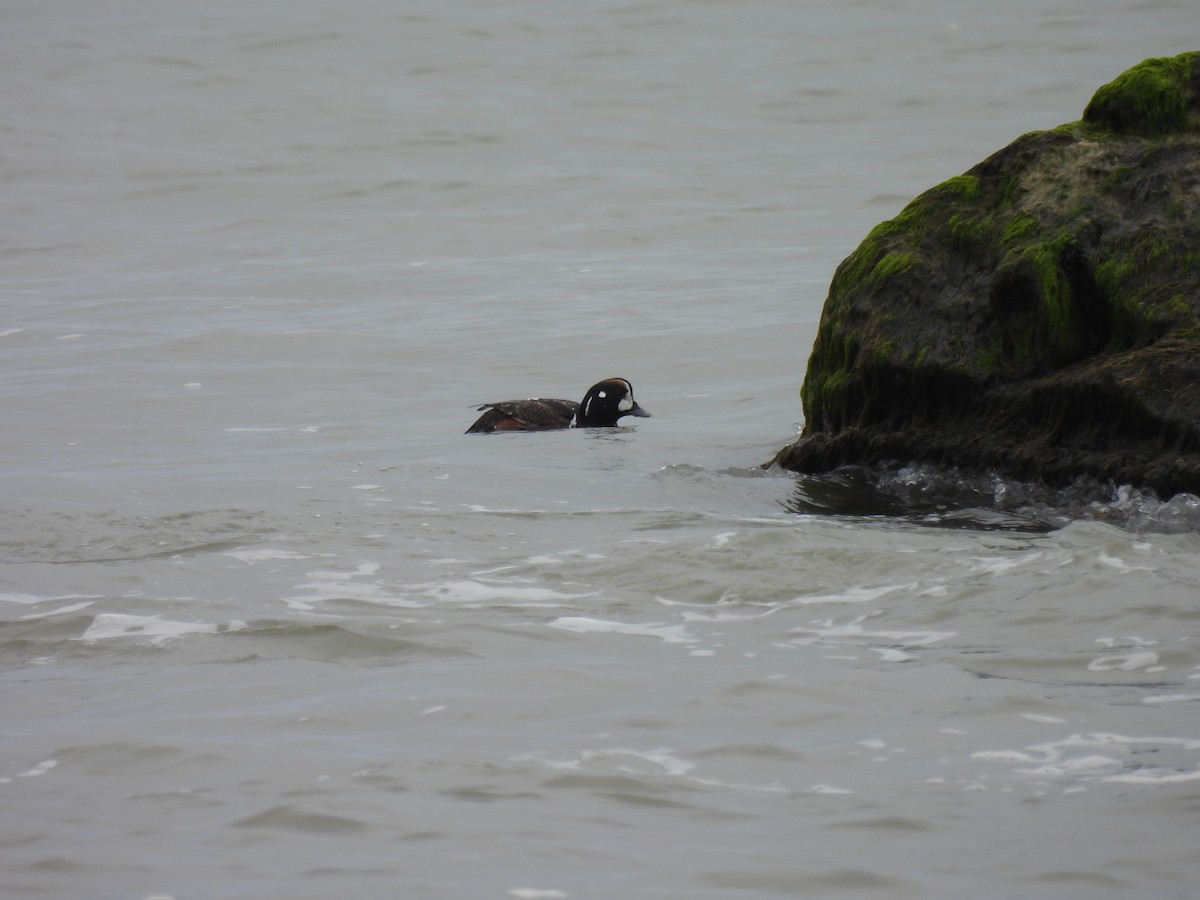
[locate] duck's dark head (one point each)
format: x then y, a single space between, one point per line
605 403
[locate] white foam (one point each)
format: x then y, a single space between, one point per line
471 592
651 763
40 769
891 654
827 789
117 625
1120 565
369 568
741 786
996 565
1153 777
665 763
329 585
670 634
263 554
1004 756
1061 759
825 631
30 599
1172 698
1125 662
1111 642
61 610
724 616
1073 765
856 594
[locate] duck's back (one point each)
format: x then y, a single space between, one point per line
524 415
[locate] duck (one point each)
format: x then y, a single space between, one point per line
602 406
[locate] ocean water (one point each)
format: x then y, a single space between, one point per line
272 626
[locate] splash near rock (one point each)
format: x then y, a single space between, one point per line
1038 316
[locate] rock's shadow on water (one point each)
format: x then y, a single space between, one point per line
928 496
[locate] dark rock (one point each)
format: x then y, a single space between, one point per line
1038 316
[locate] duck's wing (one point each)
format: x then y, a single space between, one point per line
524 415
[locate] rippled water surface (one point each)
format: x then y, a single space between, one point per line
272 626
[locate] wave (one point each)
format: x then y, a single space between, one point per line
933 496
115 636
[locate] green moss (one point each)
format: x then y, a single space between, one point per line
891 265
859 263
849 275
1037 269
1179 211
1191 333
989 358
912 220
888 250
1010 352
882 351
824 395
1056 294
962 186
1154 249
1113 274
831 387
1084 131
833 384
1115 177
1008 194
971 229
868 265
1151 98
1018 227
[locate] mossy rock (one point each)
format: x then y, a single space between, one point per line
1159 96
1038 315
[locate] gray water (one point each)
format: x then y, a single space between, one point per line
274 627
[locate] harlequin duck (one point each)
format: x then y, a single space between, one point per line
602 406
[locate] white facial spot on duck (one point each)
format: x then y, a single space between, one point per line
626 403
